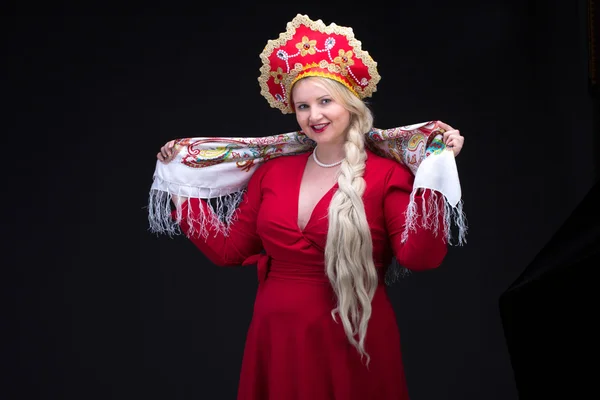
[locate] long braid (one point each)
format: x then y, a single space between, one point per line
349 248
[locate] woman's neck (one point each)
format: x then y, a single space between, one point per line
329 153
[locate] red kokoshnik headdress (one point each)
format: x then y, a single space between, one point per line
310 48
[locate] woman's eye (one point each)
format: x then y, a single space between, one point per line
325 101
301 106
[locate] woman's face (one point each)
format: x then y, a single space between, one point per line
320 117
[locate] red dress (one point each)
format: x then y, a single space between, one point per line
294 349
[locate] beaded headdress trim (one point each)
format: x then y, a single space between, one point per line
310 48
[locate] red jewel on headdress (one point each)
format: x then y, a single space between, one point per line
309 48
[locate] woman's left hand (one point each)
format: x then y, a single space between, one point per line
452 138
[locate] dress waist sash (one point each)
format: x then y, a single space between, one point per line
306 272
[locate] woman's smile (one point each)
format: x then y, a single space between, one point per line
319 128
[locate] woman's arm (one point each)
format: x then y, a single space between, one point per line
425 248
198 222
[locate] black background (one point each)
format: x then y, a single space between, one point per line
102 309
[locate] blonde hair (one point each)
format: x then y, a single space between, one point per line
349 249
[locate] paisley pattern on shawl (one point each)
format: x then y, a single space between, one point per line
218 169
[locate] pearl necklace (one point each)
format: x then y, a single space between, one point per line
319 163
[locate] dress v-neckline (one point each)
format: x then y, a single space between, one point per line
302 169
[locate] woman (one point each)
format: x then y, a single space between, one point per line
322 226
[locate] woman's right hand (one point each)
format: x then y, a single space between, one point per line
166 153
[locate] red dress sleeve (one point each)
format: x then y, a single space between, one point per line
424 248
242 240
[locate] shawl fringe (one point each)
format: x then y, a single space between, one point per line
221 213
435 208
218 217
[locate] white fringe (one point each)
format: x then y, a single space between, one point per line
222 211
430 220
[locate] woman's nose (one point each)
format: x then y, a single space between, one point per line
315 115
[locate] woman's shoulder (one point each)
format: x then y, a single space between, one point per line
384 169
382 163
282 163
284 160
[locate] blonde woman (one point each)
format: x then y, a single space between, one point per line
322 227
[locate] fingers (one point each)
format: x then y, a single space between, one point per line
455 140
445 126
449 134
166 152
168 148
456 144
452 138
